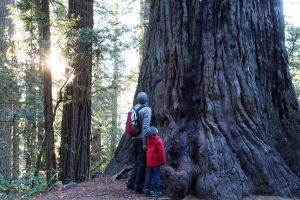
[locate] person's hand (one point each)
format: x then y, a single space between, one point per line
145 147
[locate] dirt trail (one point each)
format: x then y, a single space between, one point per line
99 188
104 188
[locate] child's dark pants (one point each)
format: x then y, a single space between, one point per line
153 172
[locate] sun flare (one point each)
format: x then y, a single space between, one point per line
57 64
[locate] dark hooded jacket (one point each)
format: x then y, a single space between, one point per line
155 150
144 115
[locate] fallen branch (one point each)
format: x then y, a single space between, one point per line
121 172
98 164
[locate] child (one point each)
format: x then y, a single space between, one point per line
155 159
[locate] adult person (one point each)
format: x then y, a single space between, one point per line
137 179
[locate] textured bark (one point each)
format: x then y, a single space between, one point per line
219 87
6 30
79 125
66 130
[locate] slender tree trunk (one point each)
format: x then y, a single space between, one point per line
218 83
30 100
115 81
66 130
96 159
144 19
48 108
5 141
30 120
29 103
40 92
15 145
114 122
28 146
79 115
6 30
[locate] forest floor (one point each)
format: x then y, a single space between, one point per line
104 188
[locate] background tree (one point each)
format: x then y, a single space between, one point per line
6 30
144 20
29 71
293 50
79 116
26 80
29 131
113 79
115 82
15 144
218 84
47 78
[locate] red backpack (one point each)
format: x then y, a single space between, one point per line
133 126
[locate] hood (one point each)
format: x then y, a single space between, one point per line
151 140
152 131
142 98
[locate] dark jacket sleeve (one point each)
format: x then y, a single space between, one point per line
161 152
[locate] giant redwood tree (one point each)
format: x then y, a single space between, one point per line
219 87
76 123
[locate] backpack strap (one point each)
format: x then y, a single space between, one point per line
138 118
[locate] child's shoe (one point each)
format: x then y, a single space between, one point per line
148 192
158 194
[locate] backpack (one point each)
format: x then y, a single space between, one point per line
133 126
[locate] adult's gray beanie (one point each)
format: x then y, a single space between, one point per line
142 98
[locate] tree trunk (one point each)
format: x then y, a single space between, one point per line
5 140
115 81
66 130
6 30
40 92
15 145
144 20
96 153
48 107
28 145
79 115
219 87
30 102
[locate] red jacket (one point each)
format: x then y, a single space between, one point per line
155 152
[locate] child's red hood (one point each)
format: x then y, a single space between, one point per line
151 140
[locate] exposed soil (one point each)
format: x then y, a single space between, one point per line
104 188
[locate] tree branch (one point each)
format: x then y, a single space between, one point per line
42 150
61 95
